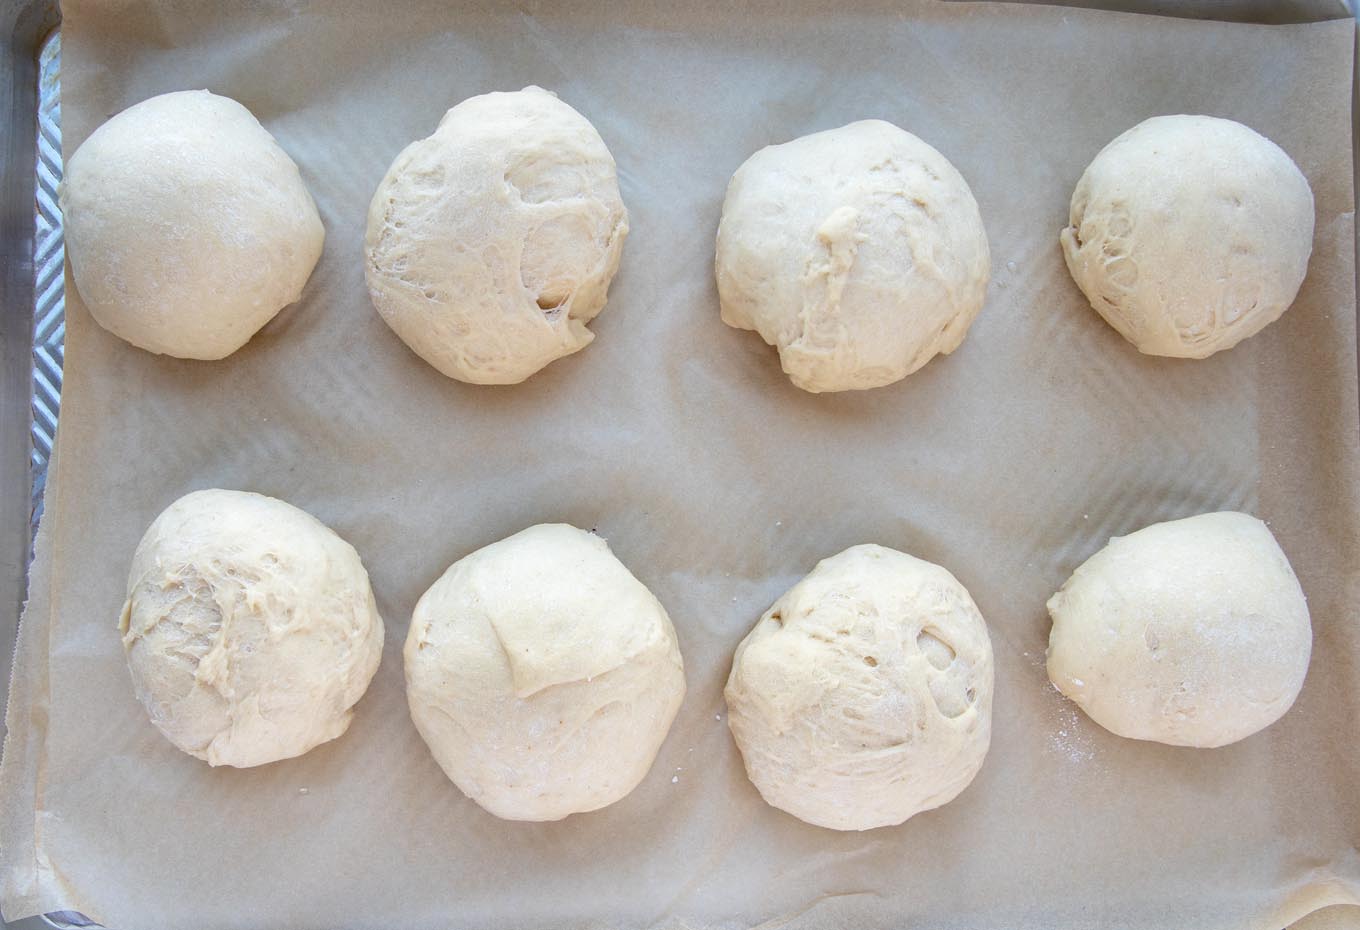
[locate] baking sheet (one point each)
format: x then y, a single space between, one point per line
714 480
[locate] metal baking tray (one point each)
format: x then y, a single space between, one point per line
32 279
32 304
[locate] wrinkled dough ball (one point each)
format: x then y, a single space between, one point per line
858 253
250 628
542 675
492 243
1189 233
1192 633
187 227
864 695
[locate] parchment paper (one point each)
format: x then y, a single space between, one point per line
713 478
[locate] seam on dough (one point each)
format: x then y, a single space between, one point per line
566 737
824 285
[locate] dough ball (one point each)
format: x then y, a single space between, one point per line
492 243
543 675
1192 633
858 253
1189 233
187 227
249 627
864 695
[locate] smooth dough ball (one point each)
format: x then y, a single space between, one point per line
187 227
858 253
492 243
250 628
864 695
1189 233
1192 633
542 675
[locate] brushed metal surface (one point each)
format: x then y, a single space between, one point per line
49 288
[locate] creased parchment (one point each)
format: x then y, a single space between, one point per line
715 481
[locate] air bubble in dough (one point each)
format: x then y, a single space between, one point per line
863 696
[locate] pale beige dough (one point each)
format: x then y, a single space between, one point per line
187 227
491 244
250 628
542 675
863 696
857 252
1193 632
1190 233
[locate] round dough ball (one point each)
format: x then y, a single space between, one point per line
250 628
542 675
187 227
864 695
1192 633
857 252
492 243
1189 233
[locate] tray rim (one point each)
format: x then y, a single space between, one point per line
26 24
